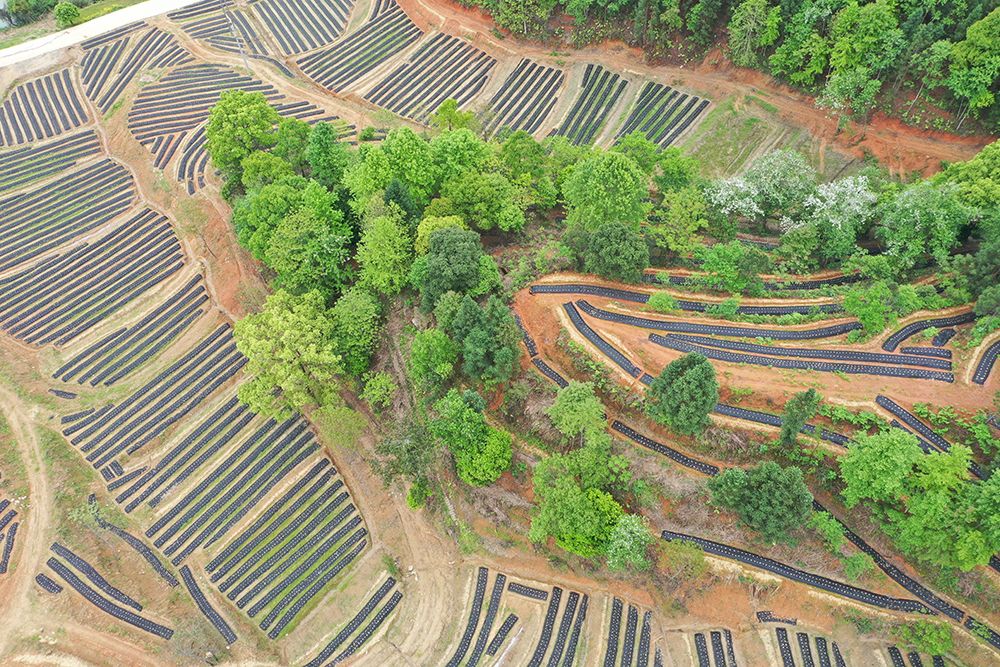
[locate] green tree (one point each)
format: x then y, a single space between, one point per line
67 14
733 267
489 340
607 187
978 179
754 25
642 151
486 200
356 318
975 64
628 547
384 254
482 453
307 252
684 394
828 528
923 219
675 224
452 264
524 161
239 124
257 216
429 225
798 410
677 170
449 117
872 462
768 498
577 410
291 357
327 156
291 143
617 251
458 152
379 389
432 360
261 168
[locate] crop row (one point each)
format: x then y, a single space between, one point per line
355 56
784 647
112 67
605 347
444 67
942 337
913 328
986 363
199 9
660 114
353 624
206 607
303 25
370 628
672 454
482 577
775 420
674 343
719 330
701 650
628 642
33 163
548 624
106 605
95 577
614 632
43 219
106 37
41 108
928 440
723 655
123 351
527 591
682 304
812 353
47 584
801 576
598 94
501 634
217 31
8 546
161 402
525 98
62 297
927 352
491 613
138 545
769 617
549 372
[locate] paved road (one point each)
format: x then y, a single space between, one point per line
71 36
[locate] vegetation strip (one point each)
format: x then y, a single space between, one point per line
206 607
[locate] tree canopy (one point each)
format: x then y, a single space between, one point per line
683 394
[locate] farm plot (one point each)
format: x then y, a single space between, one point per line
112 35
137 420
232 31
166 111
43 219
8 533
913 328
445 67
33 163
986 363
108 69
599 92
352 626
352 58
661 114
525 98
294 549
303 25
125 350
199 9
64 296
41 108
206 607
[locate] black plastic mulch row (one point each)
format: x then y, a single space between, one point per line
41 108
474 611
984 631
564 625
674 343
353 624
672 454
112 34
775 420
8 546
370 628
942 337
801 576
499 584
529 342
95 577
986 363
106 605
927 351
527 591
911 329
549 372
206 607
138 545
303 25
769 617
682 304
574 639
701 648
719 330
548 624
784 647
614 629
601 344
598 94
46 583
525 98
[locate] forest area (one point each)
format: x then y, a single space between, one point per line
908 58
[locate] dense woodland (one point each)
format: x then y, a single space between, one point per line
412 223
856 56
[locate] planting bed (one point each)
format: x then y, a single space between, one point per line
353 624
986 363
549 372
789 572
383 37
23 166
598 94
474 611
40 109
605 347
701 650
303 25
62 297
206 607
525 98
487 626
661 114
43 219
94 576
501 635
548 623
675 343
442 68
614 632
123 351
913 328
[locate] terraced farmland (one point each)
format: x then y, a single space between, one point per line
599 92
303 26
41 108
525 99
662 114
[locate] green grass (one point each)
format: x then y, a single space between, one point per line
27 32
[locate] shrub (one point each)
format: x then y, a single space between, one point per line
662 302
67 14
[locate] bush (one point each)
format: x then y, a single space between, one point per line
684 394
67 14
379 390
829 529
771 499
662 302
926 637
858 566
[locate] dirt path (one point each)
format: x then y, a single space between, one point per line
34 529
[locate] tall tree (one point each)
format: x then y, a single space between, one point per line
291 358
798 410
684 394
617 251
608 187
384 254
327 156
768 498
239 124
